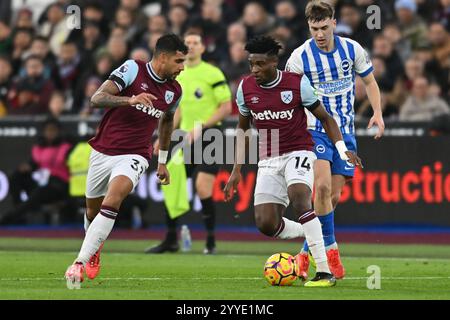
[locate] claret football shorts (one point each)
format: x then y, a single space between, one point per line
103 168
276 174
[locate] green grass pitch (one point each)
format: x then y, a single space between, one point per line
34 269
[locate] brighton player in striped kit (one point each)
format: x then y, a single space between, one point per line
331 63
276 100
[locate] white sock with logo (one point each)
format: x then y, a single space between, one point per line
289 230
98 231
314 237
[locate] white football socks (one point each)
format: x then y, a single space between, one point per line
98 231
290 230
314 237
86 222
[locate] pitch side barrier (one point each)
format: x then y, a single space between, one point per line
405 180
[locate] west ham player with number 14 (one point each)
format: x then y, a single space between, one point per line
276 101
138 95
331 63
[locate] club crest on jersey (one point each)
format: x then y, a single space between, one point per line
169 96
286 96
346 65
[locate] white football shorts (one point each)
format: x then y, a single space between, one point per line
104 168
276 174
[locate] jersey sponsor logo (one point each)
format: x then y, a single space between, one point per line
336 86
272 115
169 96
346 65
151 111
320 148
286 96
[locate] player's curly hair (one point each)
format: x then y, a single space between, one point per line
263 44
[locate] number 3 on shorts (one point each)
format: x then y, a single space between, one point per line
137 166
304 164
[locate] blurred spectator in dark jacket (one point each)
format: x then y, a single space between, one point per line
402 46
91 39
24 18
124 18
40 48
351 16
5 38
421 105
102 69
90 88
118 49
178 18
44 179
57 104
68 67
442 14
31 93
383 48
289 16
439 39
256 19
434 71
236 32
5 83
140 54
214 33
236 65
22 39
412 27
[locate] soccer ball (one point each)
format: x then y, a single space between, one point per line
279 269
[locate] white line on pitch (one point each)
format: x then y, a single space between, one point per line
207 278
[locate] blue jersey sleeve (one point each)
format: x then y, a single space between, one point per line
124 75
240 101
310 99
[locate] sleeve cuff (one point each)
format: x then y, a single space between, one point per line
313 106
365 73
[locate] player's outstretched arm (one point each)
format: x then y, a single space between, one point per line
333 132
242 141
107 97
373 93
164 132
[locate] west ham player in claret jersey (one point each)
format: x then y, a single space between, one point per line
331 63
276 100
138 95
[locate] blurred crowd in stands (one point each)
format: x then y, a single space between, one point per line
48 68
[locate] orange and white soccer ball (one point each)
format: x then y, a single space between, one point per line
279 269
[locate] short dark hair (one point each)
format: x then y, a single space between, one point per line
170 43
318 10
263 44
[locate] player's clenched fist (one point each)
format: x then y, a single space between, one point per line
142 98
232 183
163 174
354 159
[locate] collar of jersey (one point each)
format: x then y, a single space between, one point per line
273 83
153 74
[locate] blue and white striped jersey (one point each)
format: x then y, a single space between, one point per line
332 74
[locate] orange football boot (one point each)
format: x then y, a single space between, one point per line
335 264
302 265
93 265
